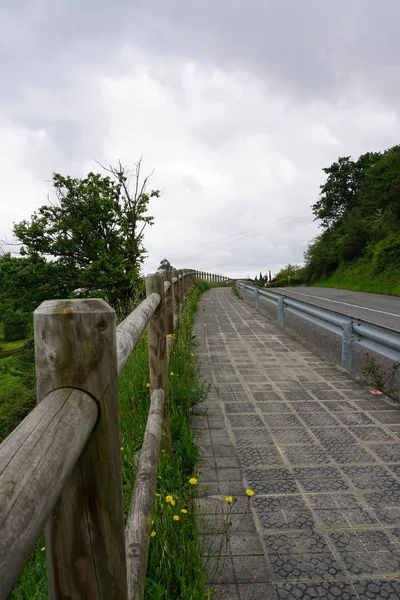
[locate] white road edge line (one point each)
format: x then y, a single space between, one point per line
382 312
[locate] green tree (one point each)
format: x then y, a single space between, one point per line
165 265
15 326
93 234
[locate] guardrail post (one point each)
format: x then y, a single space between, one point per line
75 347
158 358
347 347
281 308
256 292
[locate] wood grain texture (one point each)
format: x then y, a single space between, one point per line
130 330
35 461
158 359
75 343
169 308
141 510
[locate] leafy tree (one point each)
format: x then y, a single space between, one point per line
15 326
165 265
93 234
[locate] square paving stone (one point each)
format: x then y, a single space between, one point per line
319 419
266 396
387 452
239 407
377 589
388 562
248 455
253 436
270 456
305 542
339 406
257 591
359 564
307 566
395 469
245 544
355 418
251 569
297 396
372 434
305 454
371 477
328 590
383 498
227 591
334 500
284 513
350 453
274 407
326 435
220 570
387 516
388 417
282 420
271 481
320 479
229 474
308 407
292 435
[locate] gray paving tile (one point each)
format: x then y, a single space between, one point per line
321 453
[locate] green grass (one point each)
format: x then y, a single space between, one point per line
359 276
175 568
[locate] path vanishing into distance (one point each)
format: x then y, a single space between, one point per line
321 453
377 308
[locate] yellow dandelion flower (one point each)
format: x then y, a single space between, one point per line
153 534
122 448
172 502
193 480
184 511
147 385
176 517
229 499
250 492
172 373
169 499
43 549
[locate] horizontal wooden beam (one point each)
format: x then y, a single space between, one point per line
35 461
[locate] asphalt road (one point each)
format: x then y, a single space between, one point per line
376 308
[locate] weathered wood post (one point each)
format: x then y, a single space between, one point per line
169 309
175 297
75 346
158 359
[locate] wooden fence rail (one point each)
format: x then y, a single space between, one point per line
61 467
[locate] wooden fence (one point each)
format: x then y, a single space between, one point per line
61 467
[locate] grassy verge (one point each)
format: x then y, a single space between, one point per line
360 277
175 570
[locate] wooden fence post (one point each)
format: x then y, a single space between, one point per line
75 346
158 359
169 310
175 297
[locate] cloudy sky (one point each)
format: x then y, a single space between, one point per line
236 104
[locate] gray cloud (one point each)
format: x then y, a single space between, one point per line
237 105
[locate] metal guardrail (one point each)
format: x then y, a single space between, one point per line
374 337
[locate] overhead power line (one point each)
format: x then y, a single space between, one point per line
244 235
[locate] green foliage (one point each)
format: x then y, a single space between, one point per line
175 568
383 379
15 325
359 212
94 234
17 389
165 265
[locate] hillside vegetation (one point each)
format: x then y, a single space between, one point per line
359 213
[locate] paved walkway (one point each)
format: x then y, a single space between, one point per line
325 520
